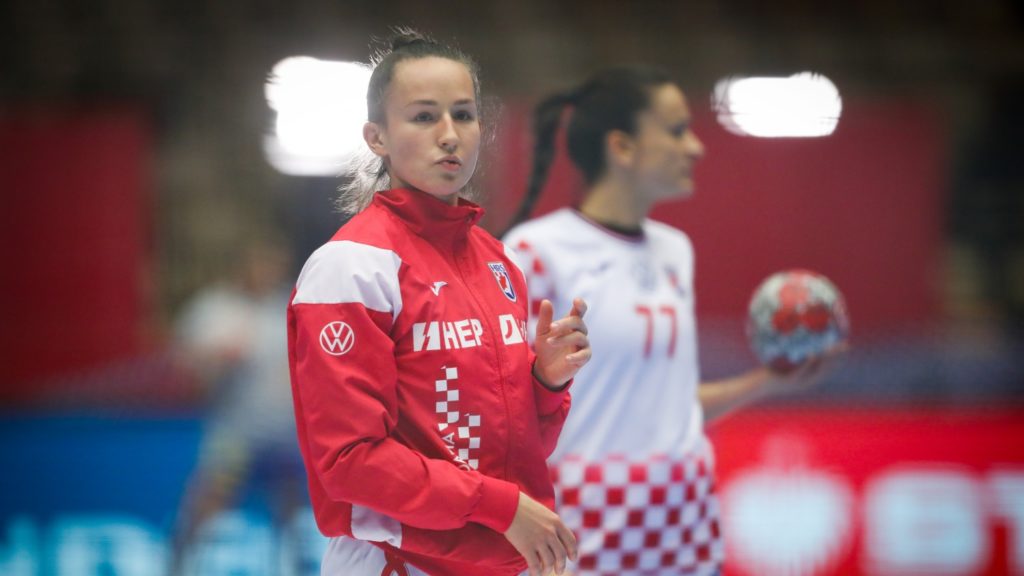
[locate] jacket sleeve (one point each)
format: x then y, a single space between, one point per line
552 406
345 375
552 410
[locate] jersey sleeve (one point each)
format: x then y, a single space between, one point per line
344 379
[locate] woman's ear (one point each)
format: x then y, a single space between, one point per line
375 139
619 148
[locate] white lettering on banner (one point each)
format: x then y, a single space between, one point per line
1007 489
788 521
512 332
936 519
229 543
21 558
925 521
78 544
105 545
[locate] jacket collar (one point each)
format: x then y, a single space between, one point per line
429 217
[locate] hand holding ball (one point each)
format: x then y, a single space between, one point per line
795 315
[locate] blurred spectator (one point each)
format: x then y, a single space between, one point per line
232 335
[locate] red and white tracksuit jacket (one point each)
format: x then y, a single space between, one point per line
419 419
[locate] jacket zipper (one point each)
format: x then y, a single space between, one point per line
461 257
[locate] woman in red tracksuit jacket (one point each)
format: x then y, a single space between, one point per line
424 418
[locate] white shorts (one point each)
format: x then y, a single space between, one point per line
351 557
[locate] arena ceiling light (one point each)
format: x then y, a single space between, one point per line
803 105
320 108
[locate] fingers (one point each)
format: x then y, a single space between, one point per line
812 371
559 551
579 308
568 540
546 558
570 334
823 362
809 367
575 338
547 312
579 358
536 564
566 325
540 537
573 321
559 563
819 363
575 315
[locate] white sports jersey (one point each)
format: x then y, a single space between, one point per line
638 394
633 471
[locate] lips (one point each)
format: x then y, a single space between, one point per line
450 163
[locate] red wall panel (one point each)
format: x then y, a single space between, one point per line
75 241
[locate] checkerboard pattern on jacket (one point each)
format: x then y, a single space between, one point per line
465 427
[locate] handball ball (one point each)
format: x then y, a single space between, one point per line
794 315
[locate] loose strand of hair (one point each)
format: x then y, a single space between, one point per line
366 175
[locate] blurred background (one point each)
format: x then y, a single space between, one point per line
149 243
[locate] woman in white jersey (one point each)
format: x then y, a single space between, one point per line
633 470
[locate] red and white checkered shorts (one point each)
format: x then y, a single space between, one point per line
652 517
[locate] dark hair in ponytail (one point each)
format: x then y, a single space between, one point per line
368 172
609 100
547 117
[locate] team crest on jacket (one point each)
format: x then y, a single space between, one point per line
504 280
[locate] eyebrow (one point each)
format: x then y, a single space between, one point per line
461 102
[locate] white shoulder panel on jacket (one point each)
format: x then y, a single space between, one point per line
342 272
